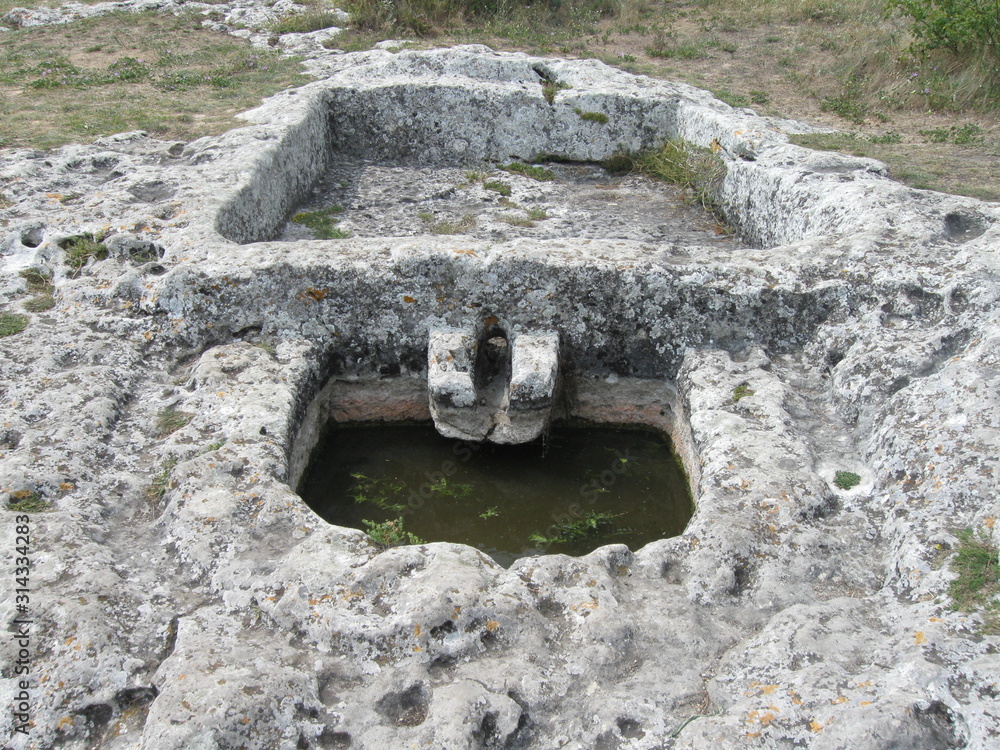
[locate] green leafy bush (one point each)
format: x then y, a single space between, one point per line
966 27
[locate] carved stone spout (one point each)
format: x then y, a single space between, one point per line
496 387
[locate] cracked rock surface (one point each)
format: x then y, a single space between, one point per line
183 596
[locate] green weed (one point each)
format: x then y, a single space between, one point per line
379 493
598 117
978 582
696 171
161 482
322 223
592 525
742 391
390 533
498 187
534 171
489 513
302 23
846 480
516 221
27 502
81 249
12 324
40 303
733 100
459 226
537 214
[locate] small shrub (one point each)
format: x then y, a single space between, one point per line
80 250
27 502
169 420
760 97
965 27
498 187
12 324
537 214
390 533
846 480
534 171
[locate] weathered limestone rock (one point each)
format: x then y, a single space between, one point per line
183 595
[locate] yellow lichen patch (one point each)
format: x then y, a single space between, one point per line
66 486
838 699
492 625
865 703
408 299
815 726
989 522
417 630
919 637
65 721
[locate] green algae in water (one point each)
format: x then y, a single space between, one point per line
585 487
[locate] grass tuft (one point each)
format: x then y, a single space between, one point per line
40 303
498 187
12 324
303 23
170 419
534 171
322 223
598 117
696 171
81 249
978 582
161 482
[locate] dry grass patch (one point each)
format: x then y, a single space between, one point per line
164 74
